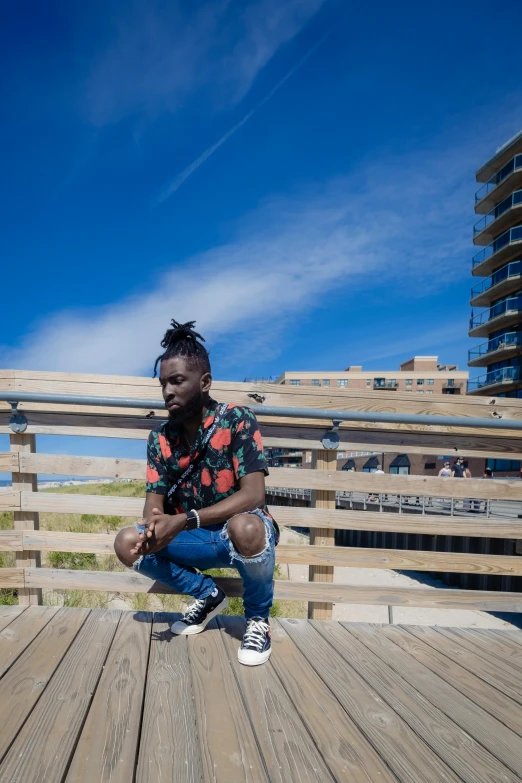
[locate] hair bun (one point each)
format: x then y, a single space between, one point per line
180 332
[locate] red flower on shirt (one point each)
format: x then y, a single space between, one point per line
152 475
206 478
184 462
225 481
258 439
221 439
240 426
164 447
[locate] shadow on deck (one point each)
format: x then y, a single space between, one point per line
96 695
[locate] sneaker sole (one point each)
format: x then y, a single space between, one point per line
189 630
263 658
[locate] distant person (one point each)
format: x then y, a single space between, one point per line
445 471
488 473
378 471
458 470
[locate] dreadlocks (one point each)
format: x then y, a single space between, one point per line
183 341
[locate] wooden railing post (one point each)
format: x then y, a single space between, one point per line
26 520
322 536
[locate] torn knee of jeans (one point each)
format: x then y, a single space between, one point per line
235 555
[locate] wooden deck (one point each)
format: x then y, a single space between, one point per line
95 695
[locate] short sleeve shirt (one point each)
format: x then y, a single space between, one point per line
234 450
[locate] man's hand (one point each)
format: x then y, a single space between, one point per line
161 530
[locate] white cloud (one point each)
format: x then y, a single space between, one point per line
403 223
158 53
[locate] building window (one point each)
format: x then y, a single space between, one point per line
342 382
315 382
379 383
420 381
368 383
326 381
400 465
409 381
503 464
429 381
420 391
295 382
370 466
407 389
429 391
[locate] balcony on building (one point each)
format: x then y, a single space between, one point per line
505 215
505 346
505 248
500 316
451 386
496 381
507 179
382 383
502 282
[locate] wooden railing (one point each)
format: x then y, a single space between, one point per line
26 540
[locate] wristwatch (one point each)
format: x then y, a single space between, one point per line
193 521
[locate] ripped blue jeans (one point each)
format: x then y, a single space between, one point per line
179 564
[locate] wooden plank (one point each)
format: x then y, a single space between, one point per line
9 500
400 560
169 747
20 633
9 612
439 598
46 742
82 504
24 683
9 462
465 734
454 651
283 739
347 752
11 540
407 755
25 519
55 541
108 744
485 649
227 743
479 691
12 577
323 537
67 465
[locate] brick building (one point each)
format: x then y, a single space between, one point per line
420 375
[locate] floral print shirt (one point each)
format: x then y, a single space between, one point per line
234 450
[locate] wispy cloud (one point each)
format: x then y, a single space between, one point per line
158 53
171 187
399 223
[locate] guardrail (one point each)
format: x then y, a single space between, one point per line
499 427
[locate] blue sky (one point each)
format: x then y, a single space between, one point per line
332 227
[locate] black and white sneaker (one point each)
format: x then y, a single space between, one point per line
200 613
256 645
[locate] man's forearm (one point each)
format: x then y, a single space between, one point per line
240 501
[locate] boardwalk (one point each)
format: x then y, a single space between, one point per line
95 695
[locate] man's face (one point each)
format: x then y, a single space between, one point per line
184 387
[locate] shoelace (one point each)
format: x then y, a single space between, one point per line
255 634
193 610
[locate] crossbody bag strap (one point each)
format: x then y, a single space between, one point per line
201 453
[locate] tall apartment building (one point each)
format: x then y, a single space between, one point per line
499 263
420 375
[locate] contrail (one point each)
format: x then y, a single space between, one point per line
172 186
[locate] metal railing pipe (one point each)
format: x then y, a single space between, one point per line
12 396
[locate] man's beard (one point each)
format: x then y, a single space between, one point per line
194 406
